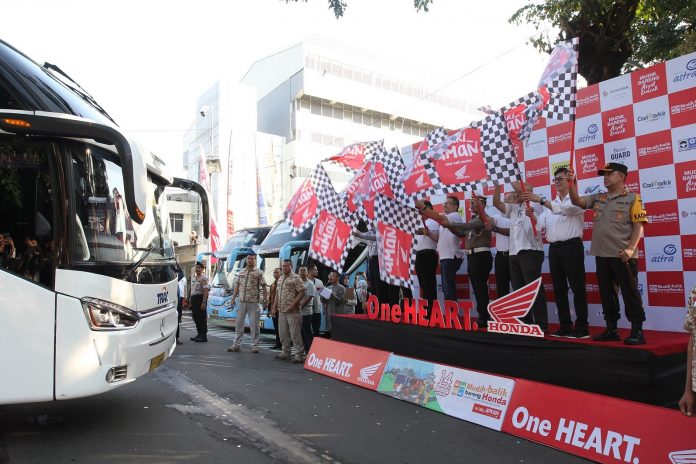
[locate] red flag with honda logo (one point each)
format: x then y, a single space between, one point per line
457 163
353 156
396 225
302 208
331 239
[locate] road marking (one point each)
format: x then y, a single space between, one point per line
263 433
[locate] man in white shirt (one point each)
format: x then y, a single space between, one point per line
426 257
526 249
566 258
448 249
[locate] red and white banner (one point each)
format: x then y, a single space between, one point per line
204 180
350 363
647 121
330 240
600 428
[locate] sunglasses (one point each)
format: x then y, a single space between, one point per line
559 179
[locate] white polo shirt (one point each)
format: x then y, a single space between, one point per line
522 235
448 243
502 242
424 242
565 222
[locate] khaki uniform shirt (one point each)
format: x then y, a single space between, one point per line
613 221
287 290
198 284
690 326
475 232
249 284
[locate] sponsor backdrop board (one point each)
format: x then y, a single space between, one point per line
647 121
600 428
472 396
351 363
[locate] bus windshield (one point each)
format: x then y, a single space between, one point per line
104 231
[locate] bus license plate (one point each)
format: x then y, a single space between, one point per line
156 361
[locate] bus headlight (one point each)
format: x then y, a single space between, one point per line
228 303
104 315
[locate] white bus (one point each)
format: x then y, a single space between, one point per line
88 282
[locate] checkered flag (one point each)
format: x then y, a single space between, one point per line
562 98
498 153
560 81
302 210
396 225
432 138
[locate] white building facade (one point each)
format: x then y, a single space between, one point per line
299 106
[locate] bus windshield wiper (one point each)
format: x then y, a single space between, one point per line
137 264
77 88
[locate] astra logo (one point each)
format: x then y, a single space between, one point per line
669 250
688 74
667 255
590 135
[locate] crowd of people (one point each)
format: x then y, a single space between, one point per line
298 302
618 216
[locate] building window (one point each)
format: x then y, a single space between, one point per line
177 222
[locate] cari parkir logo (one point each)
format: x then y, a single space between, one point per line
331 236
304 204
508 311
396 246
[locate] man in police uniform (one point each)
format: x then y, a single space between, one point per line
478 252
618 225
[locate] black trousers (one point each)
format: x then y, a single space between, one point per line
426 266
479 267
199 314
525 267
307 336
275 329
567 266
179 309
316 324
502 273
386 293
613 273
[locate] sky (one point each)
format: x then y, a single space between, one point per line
147 61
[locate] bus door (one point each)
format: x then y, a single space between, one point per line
28 253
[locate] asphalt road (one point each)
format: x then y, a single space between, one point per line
205 405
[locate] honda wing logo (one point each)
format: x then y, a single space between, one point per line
367 372
682 457
508 310
461 172
420 182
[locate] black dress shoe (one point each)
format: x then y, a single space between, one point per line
201 340
609 335
635 338
193 339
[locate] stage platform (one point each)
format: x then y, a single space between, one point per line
653 373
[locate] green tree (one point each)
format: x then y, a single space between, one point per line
339 6
615 36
